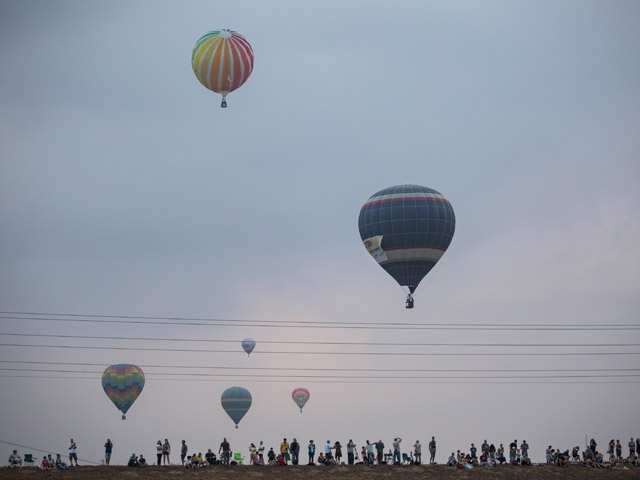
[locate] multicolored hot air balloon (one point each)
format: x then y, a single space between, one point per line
123 384
301 397
248 344
407 229
236 401
222 60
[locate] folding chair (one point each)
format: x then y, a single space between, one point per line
237 457
28 459
407 459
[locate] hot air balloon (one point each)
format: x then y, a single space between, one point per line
236 402
248 344
407 229
222 60
300 396
123 384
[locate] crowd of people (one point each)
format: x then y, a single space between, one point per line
370 453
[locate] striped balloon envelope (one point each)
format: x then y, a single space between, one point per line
222 60
236 401
301 397
123 384
407 229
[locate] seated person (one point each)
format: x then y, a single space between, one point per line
452 460
525 460
201 462
281 460
575 456
133 461
188 463
142 461
45 464
210 457
483 459
329 460
194 461
51 461
561 460
255 459
60 464
321 458
15 459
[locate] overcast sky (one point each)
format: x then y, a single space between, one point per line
125 190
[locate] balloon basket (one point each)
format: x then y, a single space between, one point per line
236 426
223 104
124 417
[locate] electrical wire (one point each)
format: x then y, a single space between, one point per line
324 369
260 352
373 381
283 342
188 321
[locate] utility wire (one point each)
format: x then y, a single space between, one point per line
336 377
317 369
374 381
260 352
42 451
188 321
216 340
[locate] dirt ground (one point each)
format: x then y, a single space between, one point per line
357 472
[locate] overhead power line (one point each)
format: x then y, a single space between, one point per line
189 321
443 381
305 342
261 352
324 369
336 377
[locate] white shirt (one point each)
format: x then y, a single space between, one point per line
72 447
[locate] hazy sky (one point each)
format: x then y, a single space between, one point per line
125 190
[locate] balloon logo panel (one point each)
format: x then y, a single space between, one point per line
123 383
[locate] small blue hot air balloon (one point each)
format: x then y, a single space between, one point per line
406 229
236 401
248 344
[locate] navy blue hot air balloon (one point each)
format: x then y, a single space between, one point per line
236 401
406 229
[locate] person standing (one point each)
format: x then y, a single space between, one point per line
380 451
159 452
225 448
432 450
261 451
73 453
312 451
524 448
284 451
351 450
183 451
618 450
294 448
108 448
338 448
632 448
396 450
417 447
166 451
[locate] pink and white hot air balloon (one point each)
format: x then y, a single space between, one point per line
300 396
222 60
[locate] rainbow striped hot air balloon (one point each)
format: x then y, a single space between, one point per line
222 60
407 229
123 384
